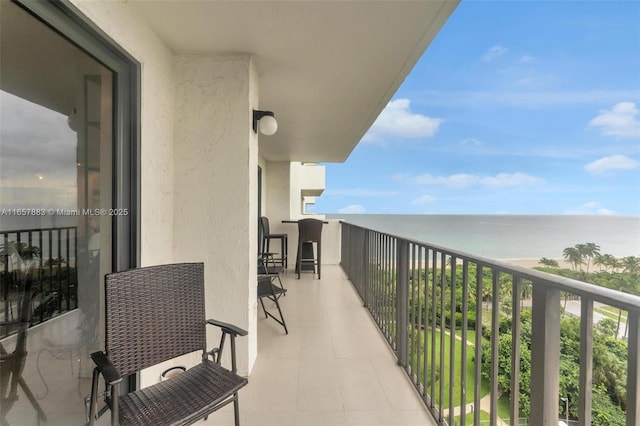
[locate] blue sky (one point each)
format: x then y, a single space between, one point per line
515 108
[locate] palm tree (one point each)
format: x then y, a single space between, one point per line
631 264
549 262
573 256
609 262
601 261
615 264
589 250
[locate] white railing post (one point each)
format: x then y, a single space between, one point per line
545 356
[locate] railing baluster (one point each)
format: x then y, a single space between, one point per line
586 362
633 370
515 349
545 355
59 274
366 270
452 341
495 334
402 295
463 348
425 370
478 355
434 305
443 262
417 252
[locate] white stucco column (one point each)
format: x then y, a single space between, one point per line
215 186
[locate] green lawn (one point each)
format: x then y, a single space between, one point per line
445 369
484 416
611 312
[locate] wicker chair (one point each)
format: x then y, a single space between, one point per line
309 232
155 314
267 236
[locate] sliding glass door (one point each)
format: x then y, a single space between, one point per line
64 221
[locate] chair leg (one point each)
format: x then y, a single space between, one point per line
286 252
236 409
281 316
299 259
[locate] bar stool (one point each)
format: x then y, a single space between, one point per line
309 232
267 236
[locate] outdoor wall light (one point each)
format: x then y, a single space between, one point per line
268 123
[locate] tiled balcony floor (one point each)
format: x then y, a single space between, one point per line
333 368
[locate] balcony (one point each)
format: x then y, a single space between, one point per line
333 368
381 364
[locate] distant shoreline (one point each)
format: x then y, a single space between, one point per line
532 263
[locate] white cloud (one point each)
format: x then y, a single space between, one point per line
460 180
621 121
504 180
464 180
352 209
590 208
613 162
494 52
397 120
424 199
526 58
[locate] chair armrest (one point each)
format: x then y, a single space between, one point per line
228 328
106 368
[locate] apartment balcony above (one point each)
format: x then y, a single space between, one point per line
311 179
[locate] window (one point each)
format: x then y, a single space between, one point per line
68 197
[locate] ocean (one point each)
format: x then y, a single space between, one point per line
510 236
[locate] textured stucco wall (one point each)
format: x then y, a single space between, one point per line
215 185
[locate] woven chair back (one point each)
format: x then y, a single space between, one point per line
145 305
264 222
310 230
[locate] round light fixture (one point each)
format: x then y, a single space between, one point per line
268 125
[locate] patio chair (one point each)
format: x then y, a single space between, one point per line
267 236
12 364
155 314
268 267
267 289
309 232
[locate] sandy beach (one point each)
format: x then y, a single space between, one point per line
530 263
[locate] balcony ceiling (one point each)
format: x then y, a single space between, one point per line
326 68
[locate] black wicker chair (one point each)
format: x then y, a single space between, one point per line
309 232
267 236
155 314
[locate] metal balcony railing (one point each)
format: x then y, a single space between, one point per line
438 334
52 255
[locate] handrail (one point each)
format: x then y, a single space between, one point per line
55 293
406 286
579 288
